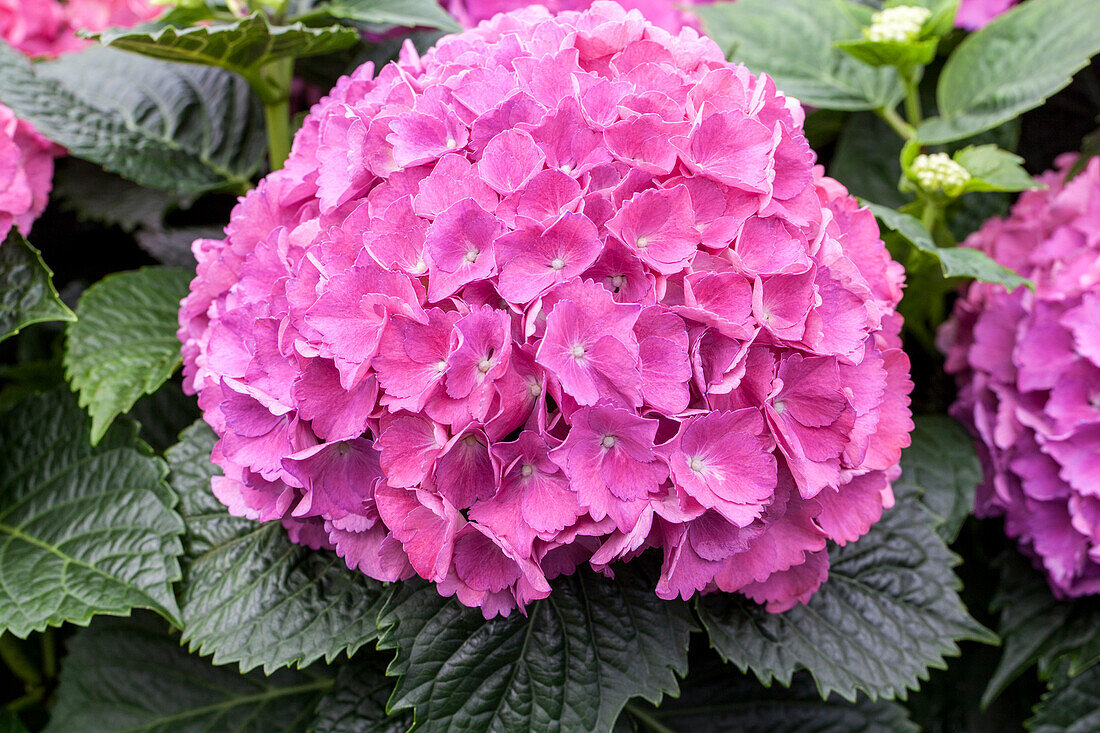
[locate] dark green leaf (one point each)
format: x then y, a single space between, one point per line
85 530
943 467
173 126
718 701
866 160
993 169
358 701
133 676
96 195
405 13
1012 65
570 664
243 46
889 611
123 343
1071 706
954 261
1038 628
164 414
27 294
795 42
249 594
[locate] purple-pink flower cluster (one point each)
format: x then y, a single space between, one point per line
977 14
560 290
26 173
1028 367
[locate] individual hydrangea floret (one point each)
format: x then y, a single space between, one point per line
26 173
976 14
899 24
937 172
560 290
1028 367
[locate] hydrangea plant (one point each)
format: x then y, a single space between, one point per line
433 366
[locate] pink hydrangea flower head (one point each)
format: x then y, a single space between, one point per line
1028 368
562 290
666 14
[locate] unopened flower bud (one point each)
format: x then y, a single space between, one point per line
900 24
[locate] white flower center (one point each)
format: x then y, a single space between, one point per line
642 242
451 143
471 256
534 388
696 464
484 365
618 281
441 365
608 441
780 407
557 263
578 351
420 267
938 172
527 470
900 24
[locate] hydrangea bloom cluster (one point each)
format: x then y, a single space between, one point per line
44 28
26 173
976 14
1028 364
562 289
667 14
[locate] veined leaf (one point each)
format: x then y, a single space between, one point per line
357 701
570 664
123 343
1072 705
404 13
183 128
27 294
131 675
83 530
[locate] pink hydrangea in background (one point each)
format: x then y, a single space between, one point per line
667 14
26 173
976 14
45 28
560 290
1028 364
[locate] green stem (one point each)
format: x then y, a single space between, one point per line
900 126
20 666
277 117
651 723
911 82
49 655
930 216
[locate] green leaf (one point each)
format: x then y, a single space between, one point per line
1071 706
27 294
954 261
164 414
718 700
123 343
243 46
889 611
182 128
96 195
84 530
405 13
795 42
250 595
993 169
1036 627
133 676
1012 65
891 53
866 160
943 467
570 664
357 702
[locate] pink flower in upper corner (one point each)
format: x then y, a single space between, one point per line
976 14
45 28
564 289
26 173
1028 368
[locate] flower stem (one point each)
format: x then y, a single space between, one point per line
271 83
20 666
900 126
911 82
277 117
648 721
